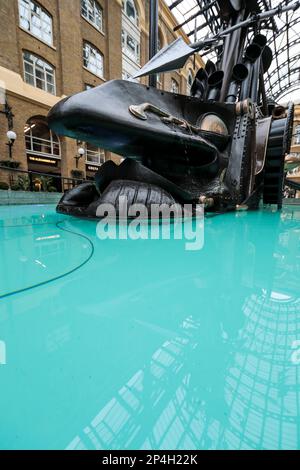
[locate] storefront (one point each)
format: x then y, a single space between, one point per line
43 155
91 170
46 165
95 157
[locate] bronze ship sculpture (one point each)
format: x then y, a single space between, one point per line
223 146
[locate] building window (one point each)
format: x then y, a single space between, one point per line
36 20
91 11
130 47
297 135
174 86
93 60
39 73
40 140
190 81
130 11
131 40
94 155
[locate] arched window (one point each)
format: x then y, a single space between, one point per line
190 80
92 12
297 135
94 154
130 10
40 140
174 86
93 59
38 73
36 20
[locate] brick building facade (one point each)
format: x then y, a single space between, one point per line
50 49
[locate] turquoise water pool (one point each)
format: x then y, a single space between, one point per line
140 344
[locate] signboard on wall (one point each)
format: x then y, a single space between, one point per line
43 160
92 168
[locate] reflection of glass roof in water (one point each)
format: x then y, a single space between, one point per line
283 78
142 344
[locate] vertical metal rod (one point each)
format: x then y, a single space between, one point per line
153 37
10 145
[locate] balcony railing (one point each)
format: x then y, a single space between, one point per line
43 147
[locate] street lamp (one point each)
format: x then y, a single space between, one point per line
81 152
11 137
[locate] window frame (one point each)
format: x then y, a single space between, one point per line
31 14
136 20
99 154
136 58
91 47
31 140
297 134
34 65
93 23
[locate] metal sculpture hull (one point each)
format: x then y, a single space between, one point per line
223 146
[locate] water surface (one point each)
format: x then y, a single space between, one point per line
140 344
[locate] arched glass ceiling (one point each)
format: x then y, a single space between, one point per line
283 32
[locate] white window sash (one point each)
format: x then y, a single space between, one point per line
93 9
44 27
44 68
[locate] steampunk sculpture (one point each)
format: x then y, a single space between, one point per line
223 146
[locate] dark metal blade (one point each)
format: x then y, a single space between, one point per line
267 58
210 67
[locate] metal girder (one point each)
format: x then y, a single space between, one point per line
289 61
286 89
277 93
283 33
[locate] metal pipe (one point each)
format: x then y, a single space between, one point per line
153 37
199 85
232 46
253 20
214 82
262 91
260 40
252 62
239 74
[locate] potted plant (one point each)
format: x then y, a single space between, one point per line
77 174
4 186
9 164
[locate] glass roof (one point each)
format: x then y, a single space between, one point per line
283 32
